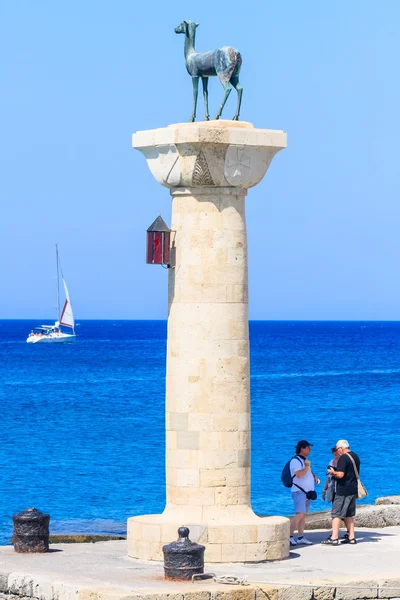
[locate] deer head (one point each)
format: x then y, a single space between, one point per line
186 27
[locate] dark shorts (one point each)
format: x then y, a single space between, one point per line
344 506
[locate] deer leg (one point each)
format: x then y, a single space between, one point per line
195 81
205 95
227 89
239 89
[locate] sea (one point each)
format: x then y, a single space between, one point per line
82 425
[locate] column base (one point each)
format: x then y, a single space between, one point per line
228 538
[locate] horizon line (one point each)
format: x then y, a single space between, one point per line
317 320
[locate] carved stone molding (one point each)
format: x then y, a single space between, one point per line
201 172
165 164
210 153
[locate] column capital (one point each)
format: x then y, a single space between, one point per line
208 191
209 154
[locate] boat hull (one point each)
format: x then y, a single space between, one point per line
60 338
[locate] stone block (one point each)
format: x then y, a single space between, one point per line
20 585
278 550
228 440
132 548
232 218
171 476
200 496
227 328
324 593
243 495
244 440
237 255
222 534
206 221
245 534
155 550
233 552
233 367
295 593
4 582
243 421
151 533
238 477
171 440
143 550
63 591
385 500
242 593
256 552
176 495
153 596
265 592
193 238
218 460
169 532
134 529
190 292
197 595
187 477
178 421
266 533
187 255
213 553
389 588
244 458
226 422
42 588
357 590
198 532
201 422
213 477
208 440
226 496
184 459
90 594
282 530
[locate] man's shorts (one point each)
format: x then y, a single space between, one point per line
301 503
344 506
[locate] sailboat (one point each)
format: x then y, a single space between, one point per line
54 334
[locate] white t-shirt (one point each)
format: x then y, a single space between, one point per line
306 482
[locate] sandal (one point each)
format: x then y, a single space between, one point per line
330 542
347 540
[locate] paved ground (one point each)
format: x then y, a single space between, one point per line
375 558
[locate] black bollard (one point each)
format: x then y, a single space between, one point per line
31 531
183 558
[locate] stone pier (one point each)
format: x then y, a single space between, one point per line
208 167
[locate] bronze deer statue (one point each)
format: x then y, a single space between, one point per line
224 63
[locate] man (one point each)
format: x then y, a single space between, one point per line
304 478
344 503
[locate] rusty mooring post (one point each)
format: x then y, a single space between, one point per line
31 531
183 558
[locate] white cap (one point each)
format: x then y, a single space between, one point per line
342 444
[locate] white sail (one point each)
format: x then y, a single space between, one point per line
67 316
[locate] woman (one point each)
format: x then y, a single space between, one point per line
330 482
329 490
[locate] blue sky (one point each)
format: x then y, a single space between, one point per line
78 78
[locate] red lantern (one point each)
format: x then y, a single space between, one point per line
158 243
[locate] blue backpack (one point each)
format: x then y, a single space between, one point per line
286 477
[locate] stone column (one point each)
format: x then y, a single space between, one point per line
208 167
